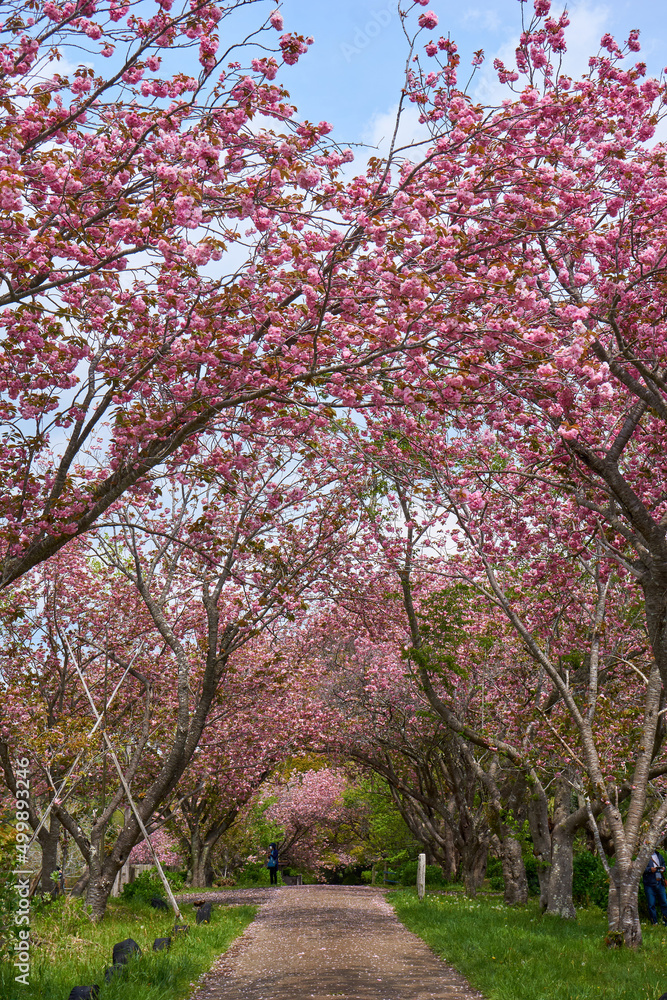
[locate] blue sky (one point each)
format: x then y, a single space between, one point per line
352 75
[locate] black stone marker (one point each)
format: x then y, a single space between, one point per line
124 950
111 971
85 993
204 913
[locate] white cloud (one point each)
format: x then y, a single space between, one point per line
489 20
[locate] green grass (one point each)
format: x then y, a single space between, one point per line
513 953
67 950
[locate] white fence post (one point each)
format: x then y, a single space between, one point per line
421 876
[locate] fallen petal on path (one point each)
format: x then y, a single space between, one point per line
321 942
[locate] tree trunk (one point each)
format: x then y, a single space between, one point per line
99 888
514 872
623 909
202 871
560 879
538 818
431 828
473 864
102 874
48 841
655 594
448 854
81 884
559 900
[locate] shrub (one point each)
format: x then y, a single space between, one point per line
494 874
532 876
590 884
253 874
148 884
224 881
407 873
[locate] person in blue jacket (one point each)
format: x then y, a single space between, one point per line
654 886
272 863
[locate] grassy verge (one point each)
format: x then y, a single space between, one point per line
517 954
67 950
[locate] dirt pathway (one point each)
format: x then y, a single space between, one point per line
320 942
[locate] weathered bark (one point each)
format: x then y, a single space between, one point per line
448 855
514 872
559 900
81 884
538 819
97 894
48 841
554 848
473 865
201 871
623 907
101 877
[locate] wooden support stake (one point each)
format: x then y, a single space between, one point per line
58 791
126 789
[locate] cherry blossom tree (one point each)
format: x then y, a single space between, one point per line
458 799
262 716
199 591
573 611
541 220
310 807
581 613
43 707
492 300
179 254
164 847
536 229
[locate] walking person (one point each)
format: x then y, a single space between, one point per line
653 878
272 863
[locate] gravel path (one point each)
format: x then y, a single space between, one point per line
320 942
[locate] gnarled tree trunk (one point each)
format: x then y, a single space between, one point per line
101 874
201 870
514 872
560 880
560 901
538 819
623 908
473 865
48 841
